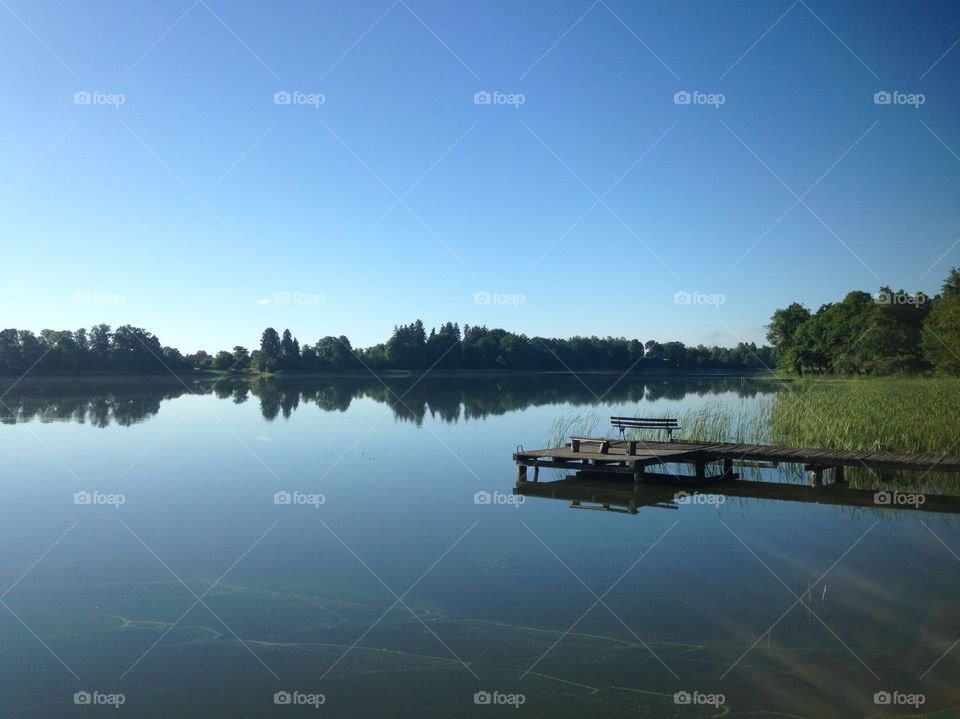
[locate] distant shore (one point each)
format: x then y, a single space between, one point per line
215 375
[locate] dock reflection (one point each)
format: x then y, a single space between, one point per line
628 497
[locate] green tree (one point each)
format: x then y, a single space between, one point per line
289 352
781 332
223 360
406 349
100 337
335 353
241 357
941 330
9 351
135 349
269 356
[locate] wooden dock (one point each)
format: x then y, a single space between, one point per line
600 456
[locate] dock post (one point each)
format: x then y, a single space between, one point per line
701 469
639 472
521 473
536 472
816 476
838 474
727 468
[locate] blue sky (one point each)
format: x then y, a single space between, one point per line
201 209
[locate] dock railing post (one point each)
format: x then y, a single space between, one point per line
521 473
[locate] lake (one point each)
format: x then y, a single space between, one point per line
353 548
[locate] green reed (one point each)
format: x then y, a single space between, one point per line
896 414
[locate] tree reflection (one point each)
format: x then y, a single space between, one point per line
451 398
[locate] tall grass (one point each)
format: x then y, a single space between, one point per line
573 424
896 414
714 422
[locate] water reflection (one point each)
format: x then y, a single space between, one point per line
626 496
99 402
450 398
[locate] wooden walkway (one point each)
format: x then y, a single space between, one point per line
617 456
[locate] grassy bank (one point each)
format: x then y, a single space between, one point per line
899 414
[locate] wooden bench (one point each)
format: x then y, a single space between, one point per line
575 443
625 423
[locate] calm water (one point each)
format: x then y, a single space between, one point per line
182 588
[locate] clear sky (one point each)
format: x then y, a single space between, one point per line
178 195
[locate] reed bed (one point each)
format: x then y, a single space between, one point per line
572 424
897 414
714 422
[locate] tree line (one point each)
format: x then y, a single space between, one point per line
890 332
476 347
125 349
130 349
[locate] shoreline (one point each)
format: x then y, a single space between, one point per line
215 376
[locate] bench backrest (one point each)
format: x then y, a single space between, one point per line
644 422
